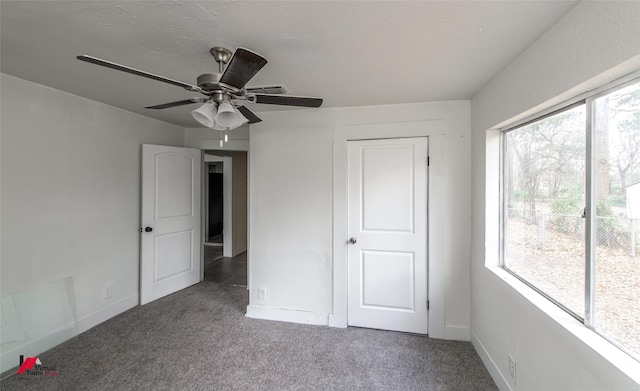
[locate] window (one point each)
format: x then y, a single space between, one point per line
571 210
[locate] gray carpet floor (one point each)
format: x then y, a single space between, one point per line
199 339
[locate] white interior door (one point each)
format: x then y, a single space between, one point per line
171 239
387 225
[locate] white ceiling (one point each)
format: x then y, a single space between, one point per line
351 53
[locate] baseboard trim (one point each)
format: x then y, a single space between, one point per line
286 315
90 321
10 359
337 321
457 333
491 366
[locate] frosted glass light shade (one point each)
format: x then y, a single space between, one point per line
205 114
228 116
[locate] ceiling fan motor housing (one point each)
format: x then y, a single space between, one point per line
209 82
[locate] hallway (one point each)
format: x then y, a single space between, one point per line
224 270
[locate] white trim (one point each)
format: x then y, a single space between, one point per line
106 313
204 209
286 315
337 321
9 358
491 366
227 202
437 253
457 333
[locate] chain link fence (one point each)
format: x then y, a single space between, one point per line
619 233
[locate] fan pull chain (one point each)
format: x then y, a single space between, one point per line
224 139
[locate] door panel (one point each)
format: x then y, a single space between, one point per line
173 186
173 254
387 218
170 250
387 287
387 188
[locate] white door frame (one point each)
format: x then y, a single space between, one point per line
437 196
213 145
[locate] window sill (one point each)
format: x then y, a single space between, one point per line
600 345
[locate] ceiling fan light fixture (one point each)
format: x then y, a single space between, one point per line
205 114
221 89
228 116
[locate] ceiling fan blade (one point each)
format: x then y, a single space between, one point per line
123 68
242 67
284 100
174 104
278 89
248 114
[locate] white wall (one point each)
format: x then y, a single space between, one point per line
209 139
292 208
71 198
595 43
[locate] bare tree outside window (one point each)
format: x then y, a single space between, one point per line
544 230
617 274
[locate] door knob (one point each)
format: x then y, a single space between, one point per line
352 240
148 229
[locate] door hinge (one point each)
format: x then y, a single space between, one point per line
427 305
428 160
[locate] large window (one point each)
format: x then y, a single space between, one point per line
571 210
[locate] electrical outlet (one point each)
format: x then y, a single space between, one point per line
262 293
512 368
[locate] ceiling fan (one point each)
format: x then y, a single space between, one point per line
225 92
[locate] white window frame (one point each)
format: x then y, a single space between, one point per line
587 99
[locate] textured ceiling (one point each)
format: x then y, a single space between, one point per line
350 53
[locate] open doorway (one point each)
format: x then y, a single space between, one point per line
215 205
225 217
